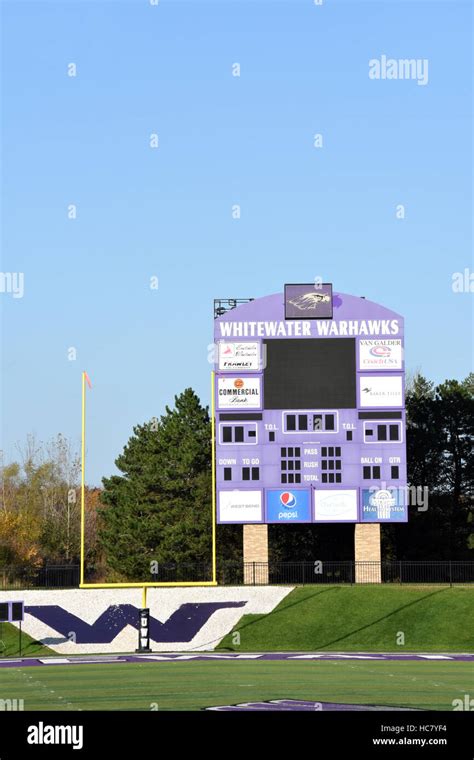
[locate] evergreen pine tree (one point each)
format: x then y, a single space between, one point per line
159 509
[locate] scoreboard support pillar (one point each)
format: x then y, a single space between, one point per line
255 554
367 553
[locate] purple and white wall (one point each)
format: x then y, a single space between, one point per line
93 621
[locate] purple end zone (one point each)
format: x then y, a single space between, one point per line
299 705
155 657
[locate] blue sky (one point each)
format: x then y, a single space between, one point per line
223 140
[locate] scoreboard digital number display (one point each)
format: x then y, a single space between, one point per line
310 417
310 373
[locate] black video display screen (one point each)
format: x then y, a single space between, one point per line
310 374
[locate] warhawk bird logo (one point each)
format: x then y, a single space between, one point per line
309 301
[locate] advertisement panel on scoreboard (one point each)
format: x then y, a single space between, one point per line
288 506
239 392
239 506
384 505
380 391
336 505
380 353
239 356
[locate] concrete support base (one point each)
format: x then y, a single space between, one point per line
367 553
256 554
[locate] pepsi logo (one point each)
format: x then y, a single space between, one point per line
288 499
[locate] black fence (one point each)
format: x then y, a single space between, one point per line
259 574
55 576
350 572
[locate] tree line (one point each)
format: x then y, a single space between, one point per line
157 510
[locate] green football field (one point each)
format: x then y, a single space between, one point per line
431 619
199 684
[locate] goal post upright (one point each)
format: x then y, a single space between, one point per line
83 459
213 455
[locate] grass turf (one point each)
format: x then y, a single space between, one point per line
361 618
10 643
196 685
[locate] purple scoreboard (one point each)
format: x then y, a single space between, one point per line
310 417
